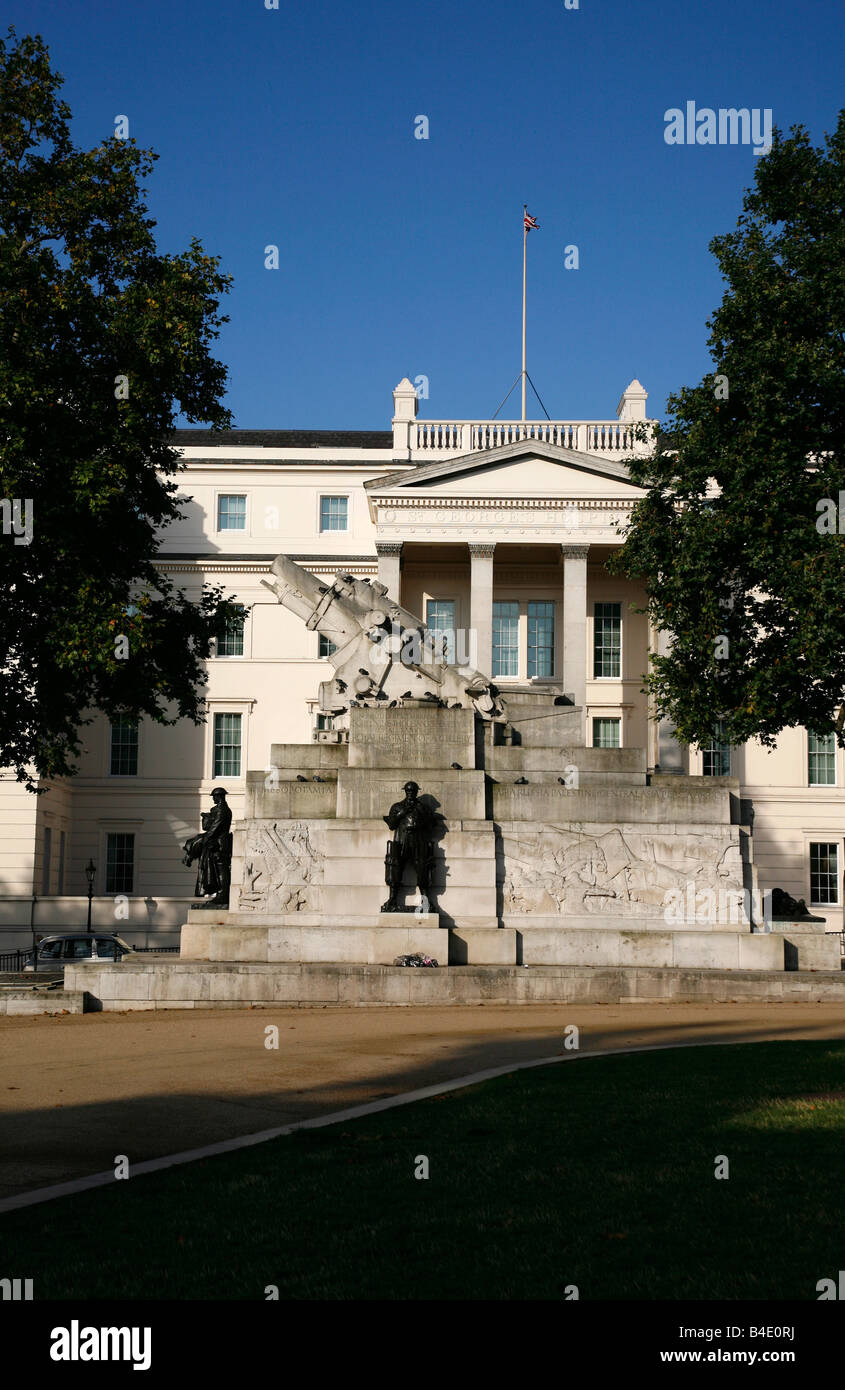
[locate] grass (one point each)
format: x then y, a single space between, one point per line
598 1173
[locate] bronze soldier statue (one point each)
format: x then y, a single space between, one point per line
412 824
212 850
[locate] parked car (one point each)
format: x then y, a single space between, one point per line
58 950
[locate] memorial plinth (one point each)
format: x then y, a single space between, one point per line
531 849
544 852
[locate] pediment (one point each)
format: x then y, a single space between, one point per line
524 469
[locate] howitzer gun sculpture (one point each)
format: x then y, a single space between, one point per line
383 654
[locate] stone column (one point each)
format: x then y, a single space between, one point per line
390 567
575 622
671 756
481 602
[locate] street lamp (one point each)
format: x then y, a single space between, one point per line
90 872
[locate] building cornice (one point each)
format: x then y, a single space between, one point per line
539 501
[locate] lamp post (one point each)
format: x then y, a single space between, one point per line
90 872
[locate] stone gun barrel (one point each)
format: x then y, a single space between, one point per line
383 652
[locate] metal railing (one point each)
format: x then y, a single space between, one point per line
15 961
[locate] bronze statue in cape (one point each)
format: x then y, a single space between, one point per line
211 851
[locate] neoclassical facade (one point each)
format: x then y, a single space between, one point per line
497 534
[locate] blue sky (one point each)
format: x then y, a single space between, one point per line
400 256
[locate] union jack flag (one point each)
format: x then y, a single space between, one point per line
530 223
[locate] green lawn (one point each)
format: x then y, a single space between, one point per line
597 1173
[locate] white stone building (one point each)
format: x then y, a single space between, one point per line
495 532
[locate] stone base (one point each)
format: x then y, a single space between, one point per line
41 1001
807 946
615 946
298 937
308 938
172 984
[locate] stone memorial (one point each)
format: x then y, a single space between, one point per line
525 848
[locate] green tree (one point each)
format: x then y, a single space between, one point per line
733 539
100 338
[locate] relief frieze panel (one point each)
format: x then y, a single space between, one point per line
628 873
282 868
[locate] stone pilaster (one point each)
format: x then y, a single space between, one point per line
481 602
390 567
575 622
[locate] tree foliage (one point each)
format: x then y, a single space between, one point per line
741 567
101 339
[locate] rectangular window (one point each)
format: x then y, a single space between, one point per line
230 638
505 639
541 638
822 760
231 512
123 759
45 863
325 646
607 733
60 886
824 874
716 755
324 722
227 745
440 621
120 863
607 641
334 513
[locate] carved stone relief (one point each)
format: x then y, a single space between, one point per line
629 874
282 868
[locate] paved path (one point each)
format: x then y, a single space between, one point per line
76 1090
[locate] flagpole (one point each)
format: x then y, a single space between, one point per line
524 262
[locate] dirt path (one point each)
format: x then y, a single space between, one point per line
76 1090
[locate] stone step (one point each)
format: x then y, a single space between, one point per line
612 804
592 764
41 1001
807 946
453 900
456 794
212 985
613 946
364 871
303 757
608 921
